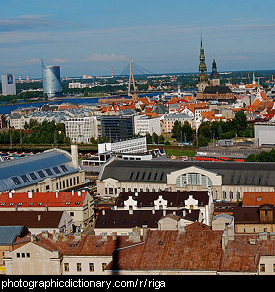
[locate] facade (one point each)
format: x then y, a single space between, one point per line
8 84
143 125
51 80
264 133
137 145
168 121
159 210
81 129
117 128
8 236
228 180
52 170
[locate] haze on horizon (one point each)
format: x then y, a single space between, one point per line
88 37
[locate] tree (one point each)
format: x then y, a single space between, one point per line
187 132
176 131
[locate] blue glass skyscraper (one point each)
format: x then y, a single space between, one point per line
51 80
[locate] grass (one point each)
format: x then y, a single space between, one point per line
180 152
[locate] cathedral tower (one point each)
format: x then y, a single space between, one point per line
203 78
214 77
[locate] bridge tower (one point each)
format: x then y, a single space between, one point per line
131 80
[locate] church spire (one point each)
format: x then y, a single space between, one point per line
203 79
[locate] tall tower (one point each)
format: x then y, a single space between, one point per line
131 79
51 80
203 78
215 77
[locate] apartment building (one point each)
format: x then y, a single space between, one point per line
81 129
144 124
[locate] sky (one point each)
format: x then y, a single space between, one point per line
90 36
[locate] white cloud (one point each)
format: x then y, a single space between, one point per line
60 60
33 61
105 57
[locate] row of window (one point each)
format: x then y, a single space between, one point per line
79 267
33 176
193 179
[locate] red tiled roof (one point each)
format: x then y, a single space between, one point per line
258 198
38 199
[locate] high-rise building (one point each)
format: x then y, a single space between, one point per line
8 84
51 80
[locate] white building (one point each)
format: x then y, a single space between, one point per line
8 84
265 133
143 125
81 129
126 146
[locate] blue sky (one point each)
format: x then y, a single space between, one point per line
89 36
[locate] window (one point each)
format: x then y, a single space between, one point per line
103 266
49 172
18 255
56 170
24 178
203 181
131 176
161 176
47 187
33 176
193 178
231 195
78 267
16 180
155 177
92 267
66 267
262 267
28 255
63 167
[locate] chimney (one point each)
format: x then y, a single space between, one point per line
56 194
144 231
136 234
10 195
164 212
39 217
74 153
45 233
153 211
79 193
72 193
33 238
29 195
104 236
114 236
136 194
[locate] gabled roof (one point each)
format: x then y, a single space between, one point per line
8 234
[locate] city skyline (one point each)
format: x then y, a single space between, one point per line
88 37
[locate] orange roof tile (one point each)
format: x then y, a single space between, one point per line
258 198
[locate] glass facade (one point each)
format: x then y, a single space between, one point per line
51 80
117 128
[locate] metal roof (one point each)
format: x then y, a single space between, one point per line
29 170
8 234
233 173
